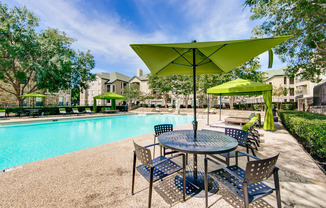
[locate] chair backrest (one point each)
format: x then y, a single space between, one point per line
75 110
143 155
161 128
2 113
87 109
240 135
247 126
259 170
62 110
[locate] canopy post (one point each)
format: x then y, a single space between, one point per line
207 109
220 106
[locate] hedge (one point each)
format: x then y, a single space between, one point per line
54 110
310 128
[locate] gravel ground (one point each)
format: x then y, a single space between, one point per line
101 177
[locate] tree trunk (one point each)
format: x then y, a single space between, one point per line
231 100
187 99
20 102
166 100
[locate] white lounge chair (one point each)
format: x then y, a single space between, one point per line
3 114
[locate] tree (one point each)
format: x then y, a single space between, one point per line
161 85
182 85
131 93
31 61
305 21
280 92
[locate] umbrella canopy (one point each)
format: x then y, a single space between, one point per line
246 87
202 58
33 95
107 96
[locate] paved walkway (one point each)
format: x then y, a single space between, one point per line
101 177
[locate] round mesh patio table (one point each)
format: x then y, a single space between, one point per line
207 142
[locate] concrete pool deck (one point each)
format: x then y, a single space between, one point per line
101 177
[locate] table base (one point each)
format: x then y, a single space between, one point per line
195 187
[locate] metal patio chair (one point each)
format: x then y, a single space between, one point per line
246 184
242 138
160 129
156 169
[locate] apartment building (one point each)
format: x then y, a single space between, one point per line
299 90
105 82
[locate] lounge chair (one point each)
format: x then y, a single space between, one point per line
3 114
157 109
239 119
246 183
212 111
88 110
76 111
170 109
62 111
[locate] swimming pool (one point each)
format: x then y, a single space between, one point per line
21 144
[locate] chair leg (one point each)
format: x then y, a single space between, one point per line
150 187
184 177
133 175
154 147
245 195
206 182
277 188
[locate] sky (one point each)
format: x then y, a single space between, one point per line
108 27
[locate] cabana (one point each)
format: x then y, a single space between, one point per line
245 87
108 96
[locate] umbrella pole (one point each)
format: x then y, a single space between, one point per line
195 124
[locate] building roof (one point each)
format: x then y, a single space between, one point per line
272 73
112 77
144 77
141 78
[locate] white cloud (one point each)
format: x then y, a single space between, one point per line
106 37
217 20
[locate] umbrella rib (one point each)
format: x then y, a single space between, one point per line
176 59
182 56
210 55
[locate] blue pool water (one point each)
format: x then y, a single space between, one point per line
20 144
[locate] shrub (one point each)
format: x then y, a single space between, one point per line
310 128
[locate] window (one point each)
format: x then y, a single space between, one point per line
284 80
99 82
99 92
92 83
121 85
291 91
88 92
113 88
92 92
109 88
291 80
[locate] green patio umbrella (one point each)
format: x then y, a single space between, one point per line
246 87
202 57
107 96
33 95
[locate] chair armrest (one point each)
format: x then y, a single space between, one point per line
225 168
152 145
247 155
162 161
